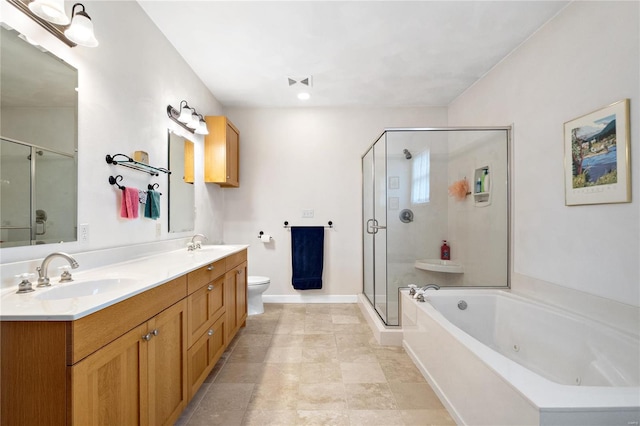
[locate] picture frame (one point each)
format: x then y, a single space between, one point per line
597 163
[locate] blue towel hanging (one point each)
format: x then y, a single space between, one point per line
307 256
152 207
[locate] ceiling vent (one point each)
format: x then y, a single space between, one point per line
300 81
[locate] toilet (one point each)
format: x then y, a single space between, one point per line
256 286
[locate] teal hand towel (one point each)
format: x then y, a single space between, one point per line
152 207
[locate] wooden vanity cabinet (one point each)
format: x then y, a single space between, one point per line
138 378
222 152
137 362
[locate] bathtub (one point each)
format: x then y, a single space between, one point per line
508 360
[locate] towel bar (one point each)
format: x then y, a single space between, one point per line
329 225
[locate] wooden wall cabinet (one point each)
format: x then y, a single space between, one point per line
222 152
137 362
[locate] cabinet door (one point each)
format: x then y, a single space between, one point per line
241 294
109 386
168 364
236 288
204 353
233 148
230 302
204 306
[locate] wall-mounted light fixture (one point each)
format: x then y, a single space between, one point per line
188 118
50 14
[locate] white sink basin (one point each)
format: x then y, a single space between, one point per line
84 288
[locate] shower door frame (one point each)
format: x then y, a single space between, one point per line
509 136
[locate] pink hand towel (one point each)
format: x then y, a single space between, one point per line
129 207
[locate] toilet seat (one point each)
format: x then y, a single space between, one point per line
257 280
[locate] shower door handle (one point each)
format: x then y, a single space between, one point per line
369 226
374 227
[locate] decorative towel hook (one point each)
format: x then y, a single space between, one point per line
115 180
152 187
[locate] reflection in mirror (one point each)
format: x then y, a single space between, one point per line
181 192
38 153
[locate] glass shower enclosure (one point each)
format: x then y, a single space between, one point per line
422 186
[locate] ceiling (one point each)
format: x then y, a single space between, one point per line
359 53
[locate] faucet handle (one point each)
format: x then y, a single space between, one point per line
25 284
190 247
65 276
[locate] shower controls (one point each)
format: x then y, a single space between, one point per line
406 216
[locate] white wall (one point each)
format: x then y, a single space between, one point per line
125 85
307 158
584 59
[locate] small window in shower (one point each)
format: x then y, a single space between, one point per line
420 178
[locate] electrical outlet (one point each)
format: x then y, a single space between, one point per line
83 233
307 213
158 230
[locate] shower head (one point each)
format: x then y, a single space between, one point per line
407 154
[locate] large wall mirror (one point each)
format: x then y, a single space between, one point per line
39 144
181 193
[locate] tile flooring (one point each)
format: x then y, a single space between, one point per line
313 364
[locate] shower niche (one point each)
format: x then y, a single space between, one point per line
482 186
411 170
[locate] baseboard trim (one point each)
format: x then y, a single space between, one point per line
310 298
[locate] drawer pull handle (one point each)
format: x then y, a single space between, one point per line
239 271
155 332
146 337
210 268
210 287
210 332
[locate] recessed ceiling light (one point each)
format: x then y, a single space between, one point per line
303 96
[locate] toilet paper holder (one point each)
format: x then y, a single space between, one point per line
261 233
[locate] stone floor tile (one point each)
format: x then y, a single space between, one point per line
362 372
375 418
321 396
284 354
274 397
322 418
320 372
369 396
245 372
270 418
432 417
414 396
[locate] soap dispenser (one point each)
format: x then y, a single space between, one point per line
445 251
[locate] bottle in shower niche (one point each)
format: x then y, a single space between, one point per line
486 183
445 251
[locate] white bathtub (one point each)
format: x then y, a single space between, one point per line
508 360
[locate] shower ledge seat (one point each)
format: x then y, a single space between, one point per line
438 265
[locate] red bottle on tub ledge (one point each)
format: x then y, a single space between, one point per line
445 251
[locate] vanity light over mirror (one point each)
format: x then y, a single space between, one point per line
181 191
38 152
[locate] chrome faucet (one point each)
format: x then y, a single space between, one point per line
43 278
193 245
428 286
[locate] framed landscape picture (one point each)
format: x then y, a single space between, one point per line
596 157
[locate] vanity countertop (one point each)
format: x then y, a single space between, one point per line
125 279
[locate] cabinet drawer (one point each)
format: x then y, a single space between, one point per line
236 259
90 333
204 306
204 354
205 275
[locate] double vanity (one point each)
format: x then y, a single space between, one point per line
127 343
